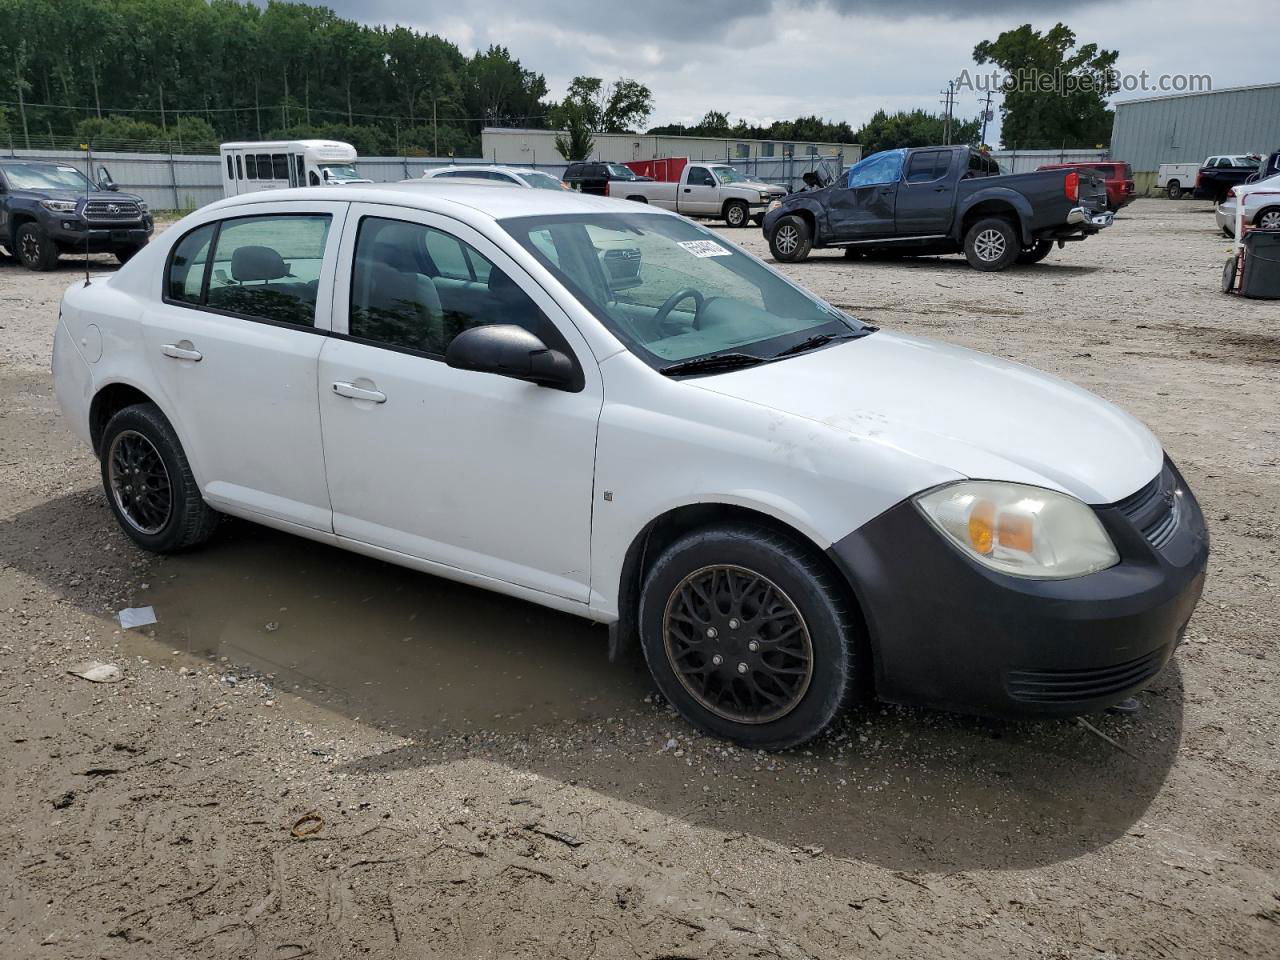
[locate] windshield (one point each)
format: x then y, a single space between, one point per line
46 176
339 171
619 172
728 175
542 181
672 290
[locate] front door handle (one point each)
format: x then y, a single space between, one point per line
359 393
179 352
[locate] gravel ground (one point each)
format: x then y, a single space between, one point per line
314 754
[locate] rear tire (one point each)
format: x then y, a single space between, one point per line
791 240
1035 254
35 250
736 213
1174 190
748 635
149 484
991 244
1268 219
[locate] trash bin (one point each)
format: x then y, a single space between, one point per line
1261 265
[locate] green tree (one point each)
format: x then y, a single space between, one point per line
577 142
912 128
1056 93
616 107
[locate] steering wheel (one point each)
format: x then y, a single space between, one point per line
684 293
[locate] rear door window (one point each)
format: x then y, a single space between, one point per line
267 268
925 166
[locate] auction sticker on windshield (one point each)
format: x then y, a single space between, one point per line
705 248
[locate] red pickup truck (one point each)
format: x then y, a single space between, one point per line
1118 176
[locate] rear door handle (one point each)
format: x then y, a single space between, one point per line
181 353
359 393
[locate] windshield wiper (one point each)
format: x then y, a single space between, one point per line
720 361
818 340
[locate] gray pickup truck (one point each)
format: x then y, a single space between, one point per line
48 209
938 200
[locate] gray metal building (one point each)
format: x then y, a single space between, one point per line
1186 128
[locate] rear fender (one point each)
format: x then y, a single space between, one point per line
995 196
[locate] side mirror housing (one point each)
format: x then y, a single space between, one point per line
512 351
104 180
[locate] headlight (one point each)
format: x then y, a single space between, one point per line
775 205
59 206
764 195
143 206
1021 530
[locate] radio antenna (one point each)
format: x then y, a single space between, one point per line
84 213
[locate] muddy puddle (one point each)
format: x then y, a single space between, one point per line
402 649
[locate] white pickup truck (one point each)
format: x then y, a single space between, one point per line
705 190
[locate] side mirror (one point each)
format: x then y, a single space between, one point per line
325 174
104 180
510 351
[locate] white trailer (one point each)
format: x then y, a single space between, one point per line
250 166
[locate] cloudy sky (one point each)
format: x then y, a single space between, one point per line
842 59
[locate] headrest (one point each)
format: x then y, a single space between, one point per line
504 288
257 263
398 256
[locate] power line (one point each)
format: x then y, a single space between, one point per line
94 110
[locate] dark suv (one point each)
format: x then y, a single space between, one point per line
47 209
594 176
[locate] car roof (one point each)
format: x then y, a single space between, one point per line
447 195
496 168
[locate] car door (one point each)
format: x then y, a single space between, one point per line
233 343
699 194
479 474
926 199
864 207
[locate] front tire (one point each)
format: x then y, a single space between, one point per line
1035 254
736 213
35 250
749 637
149 484
791 240
991 244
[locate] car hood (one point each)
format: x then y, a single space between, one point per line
74 195
977 415
771 188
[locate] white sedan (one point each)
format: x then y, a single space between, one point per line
1261 206
784 506
516 176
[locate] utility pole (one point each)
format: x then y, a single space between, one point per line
948 103
986 115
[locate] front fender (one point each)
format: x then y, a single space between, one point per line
813 208
1002 195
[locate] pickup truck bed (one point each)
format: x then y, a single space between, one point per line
937 200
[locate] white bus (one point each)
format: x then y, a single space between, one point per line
276 164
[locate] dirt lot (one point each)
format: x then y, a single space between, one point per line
481 783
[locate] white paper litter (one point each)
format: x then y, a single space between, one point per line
136 617
97 672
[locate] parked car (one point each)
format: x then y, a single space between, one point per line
784 505
937 200
596 177
702 190
1118 178
1261 206
48 209
1213 183
520 176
